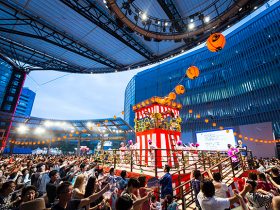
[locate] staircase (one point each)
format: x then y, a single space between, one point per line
186 198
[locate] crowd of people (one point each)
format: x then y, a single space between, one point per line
260 190
37 182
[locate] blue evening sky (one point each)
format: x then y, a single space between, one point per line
78 96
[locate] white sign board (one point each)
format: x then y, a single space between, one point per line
215 140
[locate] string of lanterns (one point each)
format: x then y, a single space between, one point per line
57 139
215 43
239 135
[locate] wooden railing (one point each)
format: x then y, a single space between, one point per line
227 168
180 159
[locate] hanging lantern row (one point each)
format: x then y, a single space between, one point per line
169 100
240 136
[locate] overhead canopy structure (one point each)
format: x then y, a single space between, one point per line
32 129
92 36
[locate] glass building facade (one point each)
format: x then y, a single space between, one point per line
25 103
5 75
238 85
11 82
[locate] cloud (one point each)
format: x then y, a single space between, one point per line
78 96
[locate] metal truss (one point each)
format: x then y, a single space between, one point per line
43 31
30 59
94 13
171 11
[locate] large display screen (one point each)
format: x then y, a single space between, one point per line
215 140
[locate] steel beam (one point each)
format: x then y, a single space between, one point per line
96 14
24 57
44 31
171 11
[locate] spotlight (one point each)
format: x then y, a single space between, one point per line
22 129
191 18
191 26
39 130
240 9
48 123
255 7
206 19
166 23
144 16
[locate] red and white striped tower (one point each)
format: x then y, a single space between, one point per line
157 119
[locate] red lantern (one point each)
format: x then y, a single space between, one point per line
216 42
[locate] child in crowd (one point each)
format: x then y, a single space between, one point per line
155 205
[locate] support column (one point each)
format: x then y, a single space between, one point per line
10 101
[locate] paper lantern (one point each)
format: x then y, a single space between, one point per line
143 103
174 104
240 136
106 121
172 95
206 120
251 139
58 139
192 72
190 111
98 124
179 106
64 137
214 124
53 140
147 101
166 100
134 108
115 117
216 42
227 131
180 89
198 116
157 99
246 138
138 106
234 133
122 112
221 128
153 99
